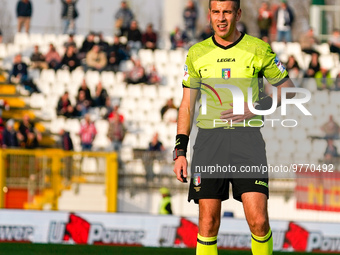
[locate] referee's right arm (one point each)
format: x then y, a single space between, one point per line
184 124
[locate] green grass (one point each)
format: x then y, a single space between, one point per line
54 249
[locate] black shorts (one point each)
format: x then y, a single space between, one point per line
223 156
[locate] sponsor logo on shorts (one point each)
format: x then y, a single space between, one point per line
197 179
261 183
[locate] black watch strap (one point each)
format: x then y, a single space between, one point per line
177 153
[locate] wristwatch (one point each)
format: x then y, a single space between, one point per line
177 153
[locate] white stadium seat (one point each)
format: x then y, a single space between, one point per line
63 76
47 75
107 78
161 56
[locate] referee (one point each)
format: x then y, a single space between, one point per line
226 55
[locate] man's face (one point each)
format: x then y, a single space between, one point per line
224 17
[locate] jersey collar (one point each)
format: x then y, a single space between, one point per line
230 45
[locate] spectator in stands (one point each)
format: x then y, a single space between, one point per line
149 38
123 17
67 145
169 105
190 15
331 129
19 75
66 141
264 19
331 152
308 42
85 88
293 67
136 74
116 133
53 58
82 105
314 66
337 83
68 14
1 36
64 106
100 96
155 144
10 136
153 76
134 37
87 45
102 43
284 17
207 33
95 59
70 59
116 55
165 206
115 113
178 38
323 79
28 136
334 42
87 133
38 59
24 13
70 41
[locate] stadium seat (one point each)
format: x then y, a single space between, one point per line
72 125
101 142
134 91
79 39
176 57
293 48
107 79
130 140
146 57
50 38
47 75
161 56
36 39
120 78
63 76
327 61
61 39
89 165
150 91
334 98
92 78
102 126
57 124
3 51
13 49
77 77
119 90
37 100
58 88
323 48
278 47
321 97
22 39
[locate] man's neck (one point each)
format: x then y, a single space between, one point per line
230 40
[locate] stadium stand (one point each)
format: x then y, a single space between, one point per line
141 104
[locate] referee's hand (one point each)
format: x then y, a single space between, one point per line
230 116
181 168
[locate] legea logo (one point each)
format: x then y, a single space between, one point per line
238 104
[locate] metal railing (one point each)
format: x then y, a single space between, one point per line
31 179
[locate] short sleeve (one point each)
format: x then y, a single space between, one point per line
190 74
273 69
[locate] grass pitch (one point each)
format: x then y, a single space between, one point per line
59 249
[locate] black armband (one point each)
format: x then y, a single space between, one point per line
182 142
264 103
